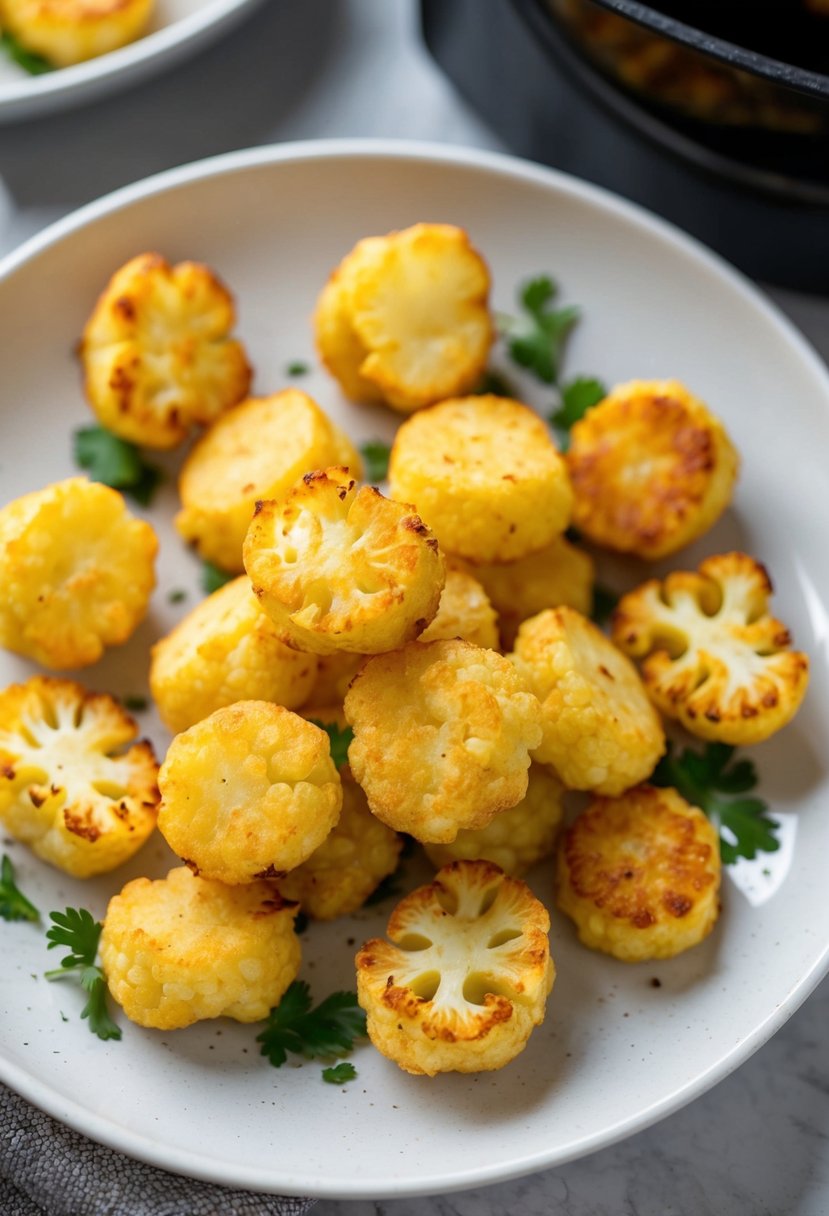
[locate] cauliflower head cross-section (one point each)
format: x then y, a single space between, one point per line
70 31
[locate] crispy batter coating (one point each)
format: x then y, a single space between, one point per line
183 948
713 656
248 793
517 838
258 450
601 732
156 351
76 573
651 469
70 31
341 568
465 977
640 874
485 475
442 736
464 612
70 786
404 317
226 650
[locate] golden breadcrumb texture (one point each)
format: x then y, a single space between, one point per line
485 475
640 875
340 875
248 793
464 612
404 318
442 736
652 469
183 948
71 786
76 573
515 839
71 31
157 353
465 977
226 650
334 674
257 451
712 655
341 568
601 732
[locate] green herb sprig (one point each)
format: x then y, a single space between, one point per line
212 578
577 397
78 930
339 1074
13 903
536 341
116 463
327 1032
32 63
375 456
339 737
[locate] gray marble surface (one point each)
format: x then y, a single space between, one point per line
758 1144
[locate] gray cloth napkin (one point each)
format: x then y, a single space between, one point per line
48 1170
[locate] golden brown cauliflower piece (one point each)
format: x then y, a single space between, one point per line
485 475
76 573
258 450
651 469
464 612
70 31
640 874
404 317
442 735
712 655
156 351
517 838
70 787
226 650
183 948
341 568
248 793
465 977
601 732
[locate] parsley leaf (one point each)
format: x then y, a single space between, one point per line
709 780
32 63
116 463
375 456
136 704
178 596
339 1073
538 345
577 397
604 603
326 1032
297 368
13 903
493 382
339 739
79 931
212 578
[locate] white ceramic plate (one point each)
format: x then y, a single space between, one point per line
616 1052
178 28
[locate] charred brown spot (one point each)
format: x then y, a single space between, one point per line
37 798
7 771
257 507
191 866
81 826
125 308
605 672
677 905
270 872
643 919
413 523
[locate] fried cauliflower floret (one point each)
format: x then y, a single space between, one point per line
515 839
70 786
341 568
71 31
712 655
640 875
464 612
465 977
226 650
485 475
156 351
651 469
76 573
248 793
442 735
601 732
404 318
257 451
183 948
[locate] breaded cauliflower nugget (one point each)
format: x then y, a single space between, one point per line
257 451
713 656
70 786
76 573
640 874
442 736
156 351
404 318
70 31
652 469
515 839
601 732
183 948
485 475
464 612
465 977
341 568
248 793
226 650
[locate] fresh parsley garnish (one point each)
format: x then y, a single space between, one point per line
604 603
32 63
375 456
340 737
710 780
537 341
79 931
327 1032
297 368
496 384
338 1074
116 463
13 903
577 397
136 704
177 597
212 578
